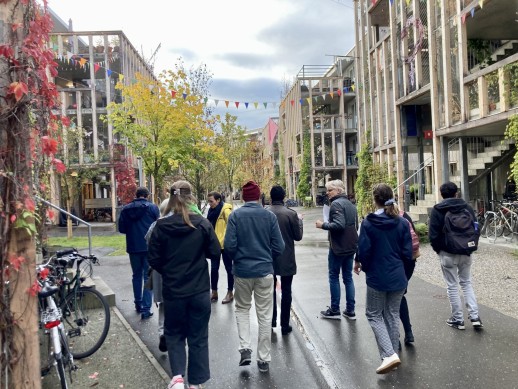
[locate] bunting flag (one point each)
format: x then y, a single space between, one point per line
391 2
121 77
339 92
308 99
216 102
265 105
481 3
256 104
272 130
292 102
82 62
473 12
96 67
237 104
226 103
109 72
464 18
300 101
332 95
205 99
184 95
173 94
246 105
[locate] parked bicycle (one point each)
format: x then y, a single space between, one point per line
85 311
55 341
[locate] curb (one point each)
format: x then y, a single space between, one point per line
143 347
321 364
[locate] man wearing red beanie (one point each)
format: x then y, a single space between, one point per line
253 239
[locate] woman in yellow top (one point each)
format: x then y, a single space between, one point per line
218 214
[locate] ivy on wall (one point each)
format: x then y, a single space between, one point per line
304 186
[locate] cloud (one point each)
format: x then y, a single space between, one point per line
246 60
187 54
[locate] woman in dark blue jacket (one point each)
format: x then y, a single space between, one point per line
384 246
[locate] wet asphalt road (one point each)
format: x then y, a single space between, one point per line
339 353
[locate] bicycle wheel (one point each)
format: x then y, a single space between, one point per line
85 269
86 316
61 373
507 226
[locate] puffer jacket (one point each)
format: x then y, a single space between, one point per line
342 226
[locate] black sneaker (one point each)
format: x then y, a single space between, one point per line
409 338
146 315
263 366
286 330
246 357
162 345
477 323
458 324
330 314
349 315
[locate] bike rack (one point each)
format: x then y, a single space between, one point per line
79 220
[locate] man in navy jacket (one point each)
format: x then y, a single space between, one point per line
134 221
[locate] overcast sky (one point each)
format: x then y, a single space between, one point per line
250 47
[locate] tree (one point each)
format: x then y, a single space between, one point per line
28 146
232 140
155 127
198 148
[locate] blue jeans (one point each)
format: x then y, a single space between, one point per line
335 264
143 296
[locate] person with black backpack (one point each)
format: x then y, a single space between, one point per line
453 232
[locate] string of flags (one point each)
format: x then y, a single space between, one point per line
78 60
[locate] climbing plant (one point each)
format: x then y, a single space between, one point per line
304 187
511 132
369 174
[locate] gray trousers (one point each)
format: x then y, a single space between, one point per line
382 311
262 291
456 269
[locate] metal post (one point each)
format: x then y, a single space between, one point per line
140 172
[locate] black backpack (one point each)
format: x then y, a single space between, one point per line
460 232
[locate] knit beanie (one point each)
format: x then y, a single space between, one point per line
251 191
277 193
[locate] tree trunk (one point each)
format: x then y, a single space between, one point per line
24 308
20 366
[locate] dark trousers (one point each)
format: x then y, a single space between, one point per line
285 300
214 272
188 319
404 315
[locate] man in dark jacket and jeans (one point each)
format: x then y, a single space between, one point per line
456 268
290 224
343 241
134 221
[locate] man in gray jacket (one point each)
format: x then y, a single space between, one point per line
343 241
285 266
253 240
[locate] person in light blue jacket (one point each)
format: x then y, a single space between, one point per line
253 239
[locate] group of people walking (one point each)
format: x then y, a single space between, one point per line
257 247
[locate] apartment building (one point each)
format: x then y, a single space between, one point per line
90 64
317 122
437 82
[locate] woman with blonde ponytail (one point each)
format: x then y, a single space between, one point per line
384 247
178 249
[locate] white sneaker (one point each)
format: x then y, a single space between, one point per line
388 364
176 383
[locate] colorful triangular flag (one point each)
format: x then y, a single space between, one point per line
184 95
256 104
109 72
265 105
237 104
226 103
216 102
246 105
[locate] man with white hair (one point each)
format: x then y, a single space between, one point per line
343 241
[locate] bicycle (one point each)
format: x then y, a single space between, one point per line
86 313
51 320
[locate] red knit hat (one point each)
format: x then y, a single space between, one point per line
251 191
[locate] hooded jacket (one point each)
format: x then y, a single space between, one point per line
435 227
134 221
384 246
342 226
291 230
179 253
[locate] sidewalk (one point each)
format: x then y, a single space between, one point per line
123 361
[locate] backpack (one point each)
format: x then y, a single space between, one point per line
460 232
415 238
